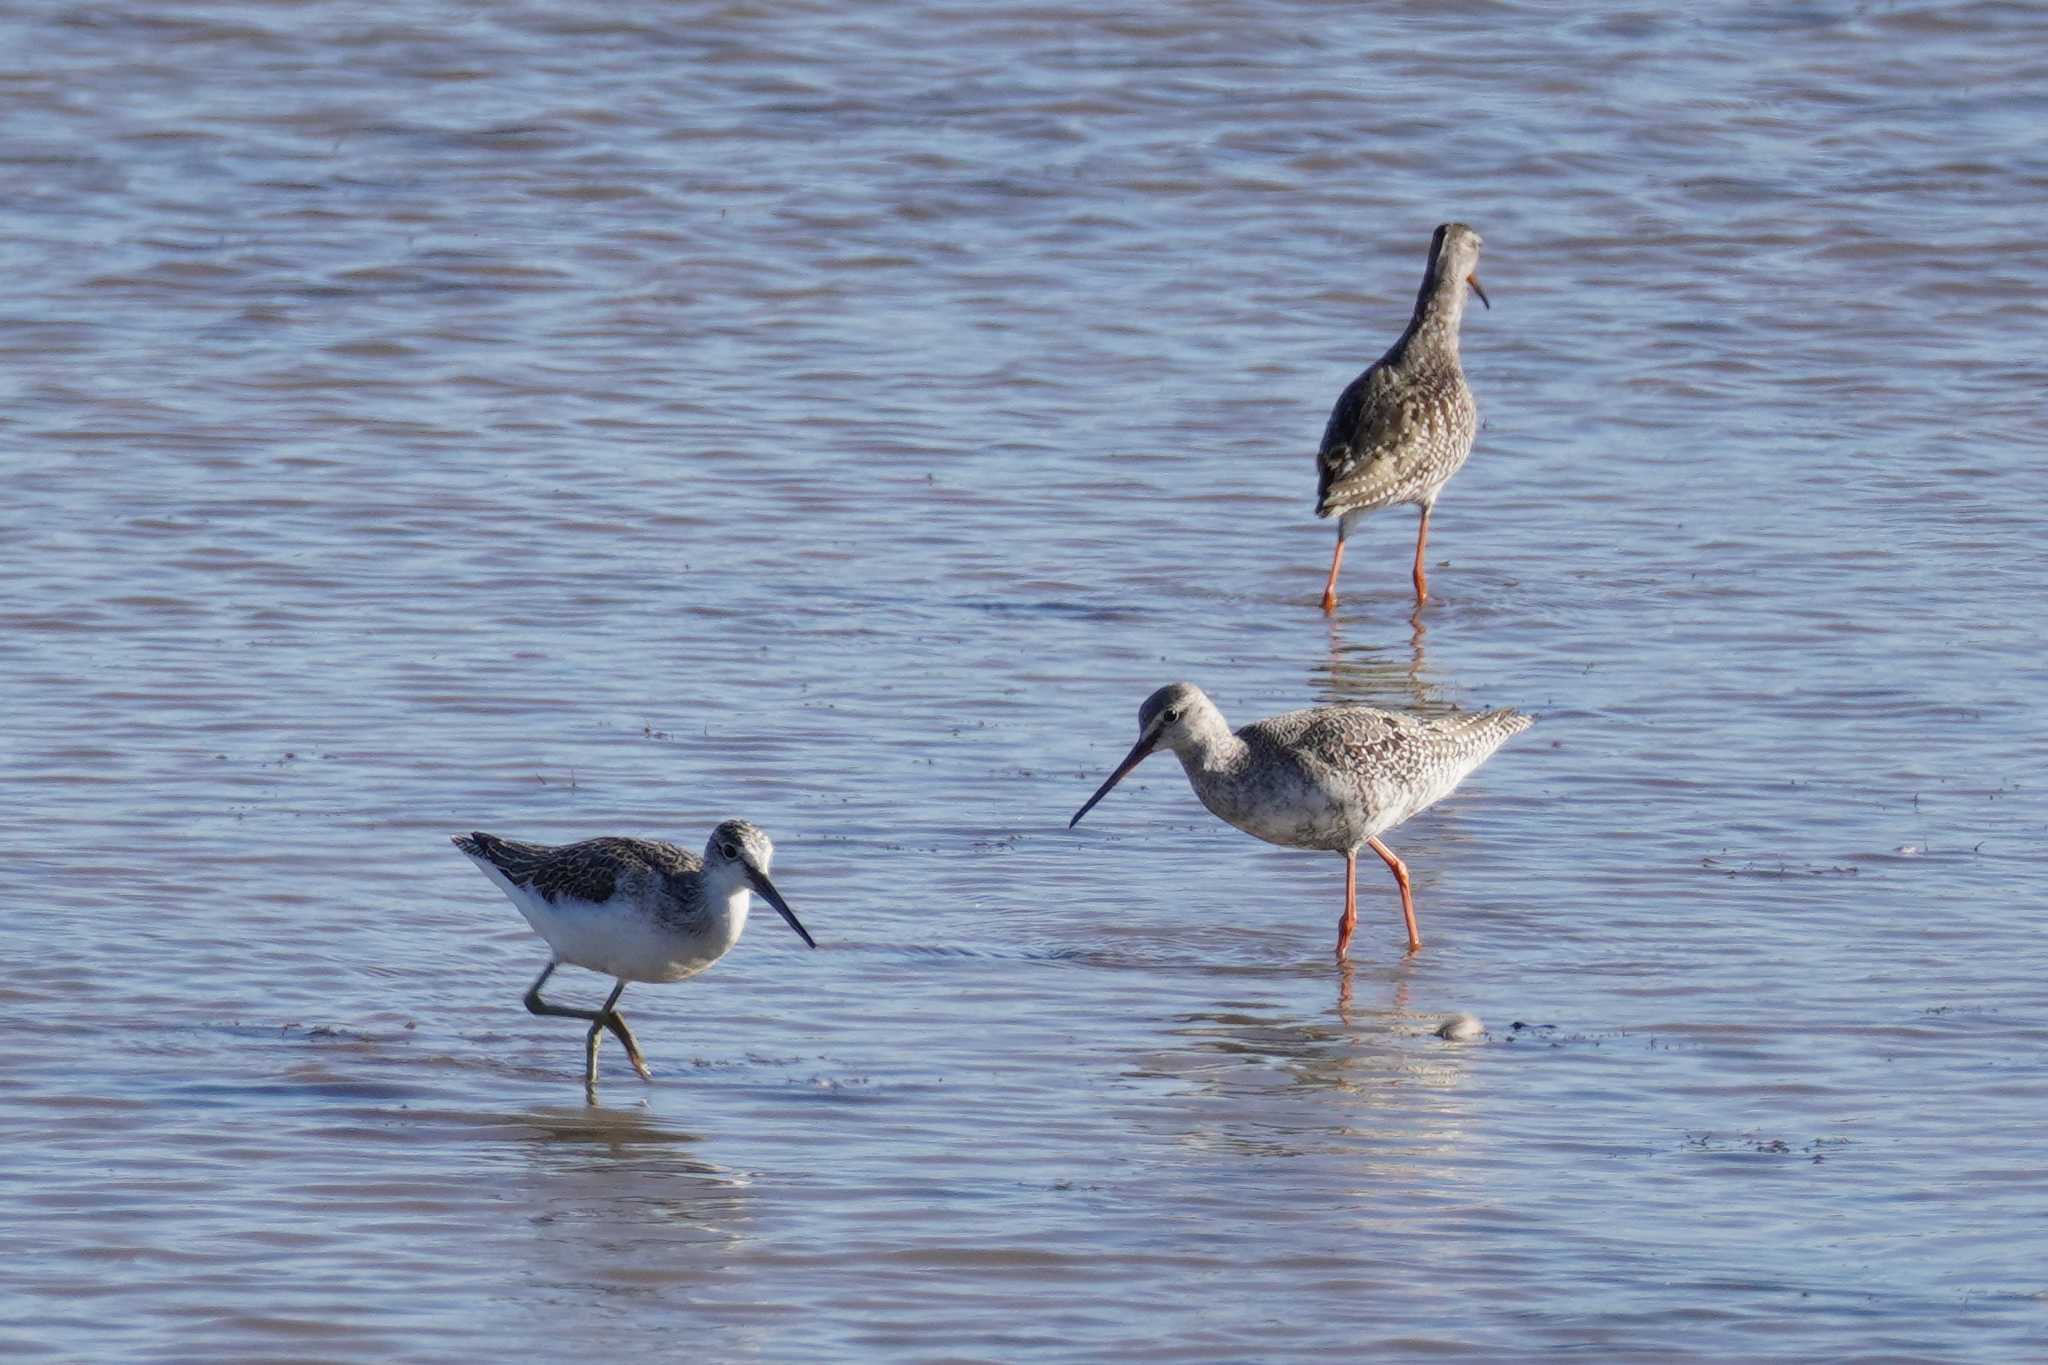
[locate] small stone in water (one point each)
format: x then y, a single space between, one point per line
1460 1028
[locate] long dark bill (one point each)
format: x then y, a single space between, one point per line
1144 746
1473 280
774 898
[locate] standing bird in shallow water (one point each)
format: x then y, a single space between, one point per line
1401 429
1330 777
633 909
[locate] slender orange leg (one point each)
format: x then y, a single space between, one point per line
1407 899
1421 544
1330 588
1350 920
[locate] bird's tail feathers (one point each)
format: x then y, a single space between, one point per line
478 844
1491 729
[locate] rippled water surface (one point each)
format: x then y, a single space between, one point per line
567 419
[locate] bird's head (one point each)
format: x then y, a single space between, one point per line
742 852
1179 716
1454 255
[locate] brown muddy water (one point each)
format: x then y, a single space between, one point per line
569 419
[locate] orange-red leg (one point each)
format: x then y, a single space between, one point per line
1350 920
1407 898
1330 588
1421 545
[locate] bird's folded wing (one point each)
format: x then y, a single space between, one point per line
587 871
1368 434
1343 739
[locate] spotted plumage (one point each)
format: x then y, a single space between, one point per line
1330 777
657 874
1401 429
633 909
1376 768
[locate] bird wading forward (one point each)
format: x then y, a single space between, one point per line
1401 429
1331 777
633 909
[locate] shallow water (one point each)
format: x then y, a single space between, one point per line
542 421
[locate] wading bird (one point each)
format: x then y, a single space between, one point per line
633 909
1401 429
1330 777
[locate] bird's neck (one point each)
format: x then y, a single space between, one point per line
1213 750
1439 308
726 888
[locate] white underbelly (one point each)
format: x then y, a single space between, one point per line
1320 826
1297 813
621 940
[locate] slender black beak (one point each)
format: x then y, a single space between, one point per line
774 898
1473 280
1146 743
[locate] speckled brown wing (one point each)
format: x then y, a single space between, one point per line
1426 757
589 870
1392 438
1351 439
1359 739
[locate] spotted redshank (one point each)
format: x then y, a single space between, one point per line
1330 777
632 909
1401 429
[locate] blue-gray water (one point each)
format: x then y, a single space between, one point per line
569 419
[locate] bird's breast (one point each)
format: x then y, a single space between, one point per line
697 939
1283 803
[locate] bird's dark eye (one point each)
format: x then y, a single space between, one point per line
1172 714
730 851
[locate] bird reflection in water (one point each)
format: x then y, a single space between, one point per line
1375 674
619 1190
1397 1003
1236 1049
617 1129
